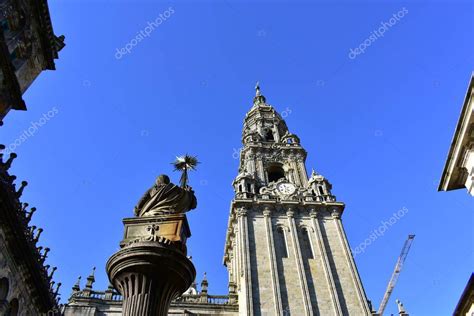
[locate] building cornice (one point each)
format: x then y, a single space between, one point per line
460 139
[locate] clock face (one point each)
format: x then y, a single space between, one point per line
286 188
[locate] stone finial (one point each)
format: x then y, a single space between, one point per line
22 187
204 284
44 255
77 287
90 279
29 215
401 308
8 163
24 206
38 234
31 232
57 289
50 276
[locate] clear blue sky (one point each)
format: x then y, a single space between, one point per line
378 126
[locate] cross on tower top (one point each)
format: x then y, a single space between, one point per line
257 89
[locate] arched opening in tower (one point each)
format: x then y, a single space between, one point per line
268 135
275 173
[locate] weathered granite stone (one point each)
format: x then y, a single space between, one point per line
152 269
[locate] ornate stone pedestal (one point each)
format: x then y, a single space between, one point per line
152 269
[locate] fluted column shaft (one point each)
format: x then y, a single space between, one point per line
273 263
325 264
299 263
247 277
336 214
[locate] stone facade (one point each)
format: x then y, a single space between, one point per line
458 171
26 286
286 249
27 47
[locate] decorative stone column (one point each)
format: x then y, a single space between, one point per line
151 268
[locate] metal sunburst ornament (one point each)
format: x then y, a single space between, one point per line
184 164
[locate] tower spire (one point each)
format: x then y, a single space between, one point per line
77 287
90 279
259 98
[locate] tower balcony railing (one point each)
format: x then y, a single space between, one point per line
269 197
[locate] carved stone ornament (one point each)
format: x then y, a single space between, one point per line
153 237
290 191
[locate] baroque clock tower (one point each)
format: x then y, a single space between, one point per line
286 250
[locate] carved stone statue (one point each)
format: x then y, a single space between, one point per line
165 198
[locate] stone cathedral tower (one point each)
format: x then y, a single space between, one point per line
286 250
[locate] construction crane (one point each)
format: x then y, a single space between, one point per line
396 274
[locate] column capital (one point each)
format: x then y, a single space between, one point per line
241 211
290 211
336 213
267 210
313 213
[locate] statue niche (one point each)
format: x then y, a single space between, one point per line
165 198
